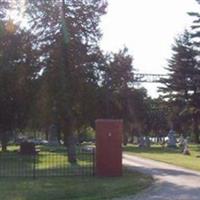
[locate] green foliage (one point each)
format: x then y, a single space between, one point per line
17 78
156 116
195 26
118 73
183 70
87 135
182 87
70 75
53 71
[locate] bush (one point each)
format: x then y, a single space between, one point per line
87 135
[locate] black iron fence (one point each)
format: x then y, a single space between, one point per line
49 161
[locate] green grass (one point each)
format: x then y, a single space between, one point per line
64 187
51 161
172 156
88 188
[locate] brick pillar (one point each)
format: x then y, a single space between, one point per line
108 147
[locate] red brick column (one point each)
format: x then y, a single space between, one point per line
108 147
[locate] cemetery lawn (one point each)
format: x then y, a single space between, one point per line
171 156
73 188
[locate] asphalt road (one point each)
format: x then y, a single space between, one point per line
171 182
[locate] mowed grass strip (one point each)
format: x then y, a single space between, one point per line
171 156
72 188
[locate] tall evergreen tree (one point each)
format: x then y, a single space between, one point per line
196 25
67 34
183 85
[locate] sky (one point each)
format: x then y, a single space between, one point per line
147 28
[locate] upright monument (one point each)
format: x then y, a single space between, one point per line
53 135
171 139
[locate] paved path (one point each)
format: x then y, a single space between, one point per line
171 182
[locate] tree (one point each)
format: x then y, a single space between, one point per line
67 33
196 25
117 78
156 116
4 7
183 85
117 93
17 77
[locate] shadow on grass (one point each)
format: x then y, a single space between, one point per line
48 163
67 170
74 188
14 164
50 148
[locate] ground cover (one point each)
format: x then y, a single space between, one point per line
50 161
63 187
172 156
73 188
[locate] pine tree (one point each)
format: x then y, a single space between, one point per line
196 25
67 34
183 85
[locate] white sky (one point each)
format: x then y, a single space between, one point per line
148 29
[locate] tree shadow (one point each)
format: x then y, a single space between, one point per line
49 161
51 164
16 165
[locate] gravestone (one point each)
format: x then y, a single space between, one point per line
147 142
181 143
171 139
27 148
186 149
141 142
144 142
53 135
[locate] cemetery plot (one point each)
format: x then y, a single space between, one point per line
49 161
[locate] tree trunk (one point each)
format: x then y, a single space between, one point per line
46 134
70 141
58 133
196 130
131 138
4 147
4 142
125 139
71 149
